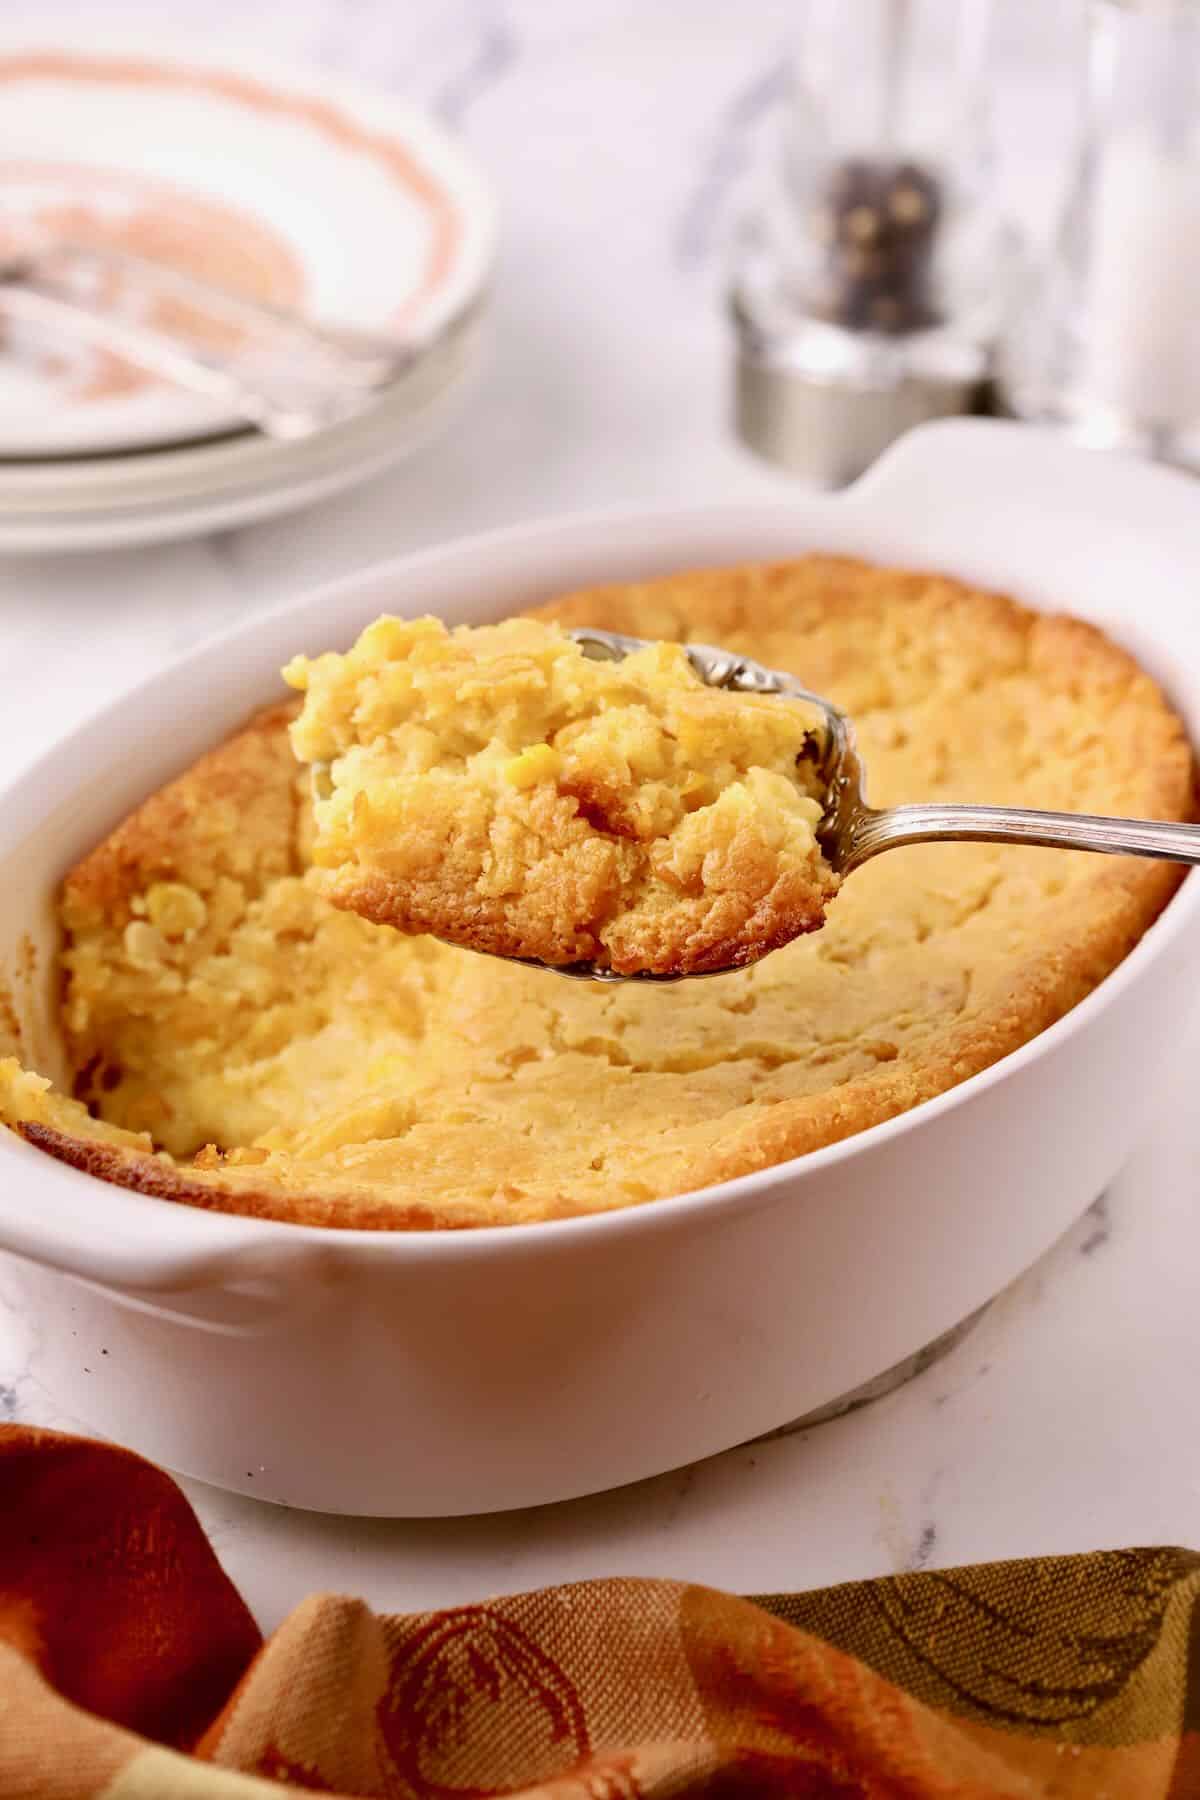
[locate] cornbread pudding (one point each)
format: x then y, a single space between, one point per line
502 790
239 1042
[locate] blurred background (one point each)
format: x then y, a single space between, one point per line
619 138
637 154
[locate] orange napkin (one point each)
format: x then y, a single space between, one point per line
130 1668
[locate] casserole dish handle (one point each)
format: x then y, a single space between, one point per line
217 1271
1018 494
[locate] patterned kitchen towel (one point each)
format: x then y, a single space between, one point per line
130 1669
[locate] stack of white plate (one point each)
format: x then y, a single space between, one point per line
306 193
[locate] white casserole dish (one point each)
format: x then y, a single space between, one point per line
447 1373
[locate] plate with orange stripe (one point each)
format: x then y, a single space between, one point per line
307 193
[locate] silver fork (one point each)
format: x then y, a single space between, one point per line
852 832
293 378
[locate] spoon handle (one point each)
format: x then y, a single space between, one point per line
872 832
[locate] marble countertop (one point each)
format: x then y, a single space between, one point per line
1060 1421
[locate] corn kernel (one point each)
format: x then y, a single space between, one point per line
384 1068
144 944
389 638
541 762
174 909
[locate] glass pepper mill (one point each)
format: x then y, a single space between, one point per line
873 273
1107 343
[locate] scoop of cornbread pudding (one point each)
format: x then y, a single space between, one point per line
504 791
238 1042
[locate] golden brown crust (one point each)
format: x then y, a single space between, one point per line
145 1174
443 1090
200 825
730 932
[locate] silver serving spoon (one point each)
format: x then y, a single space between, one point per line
851 831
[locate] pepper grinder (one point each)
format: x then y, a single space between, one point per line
873 272
1107 344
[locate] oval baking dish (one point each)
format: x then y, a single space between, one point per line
441 1373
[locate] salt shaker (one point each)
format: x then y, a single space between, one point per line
875 263
1107 344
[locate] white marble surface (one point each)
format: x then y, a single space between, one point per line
616 140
